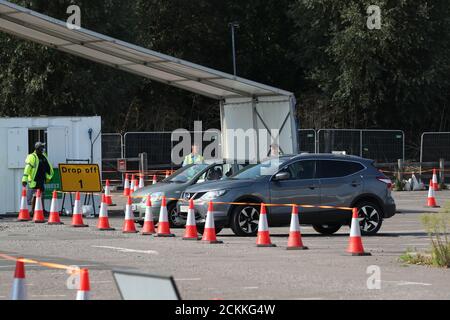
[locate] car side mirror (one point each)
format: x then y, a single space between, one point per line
280 176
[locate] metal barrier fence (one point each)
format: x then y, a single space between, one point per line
435 146
379 145
307 140
112 149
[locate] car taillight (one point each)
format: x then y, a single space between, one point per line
385 180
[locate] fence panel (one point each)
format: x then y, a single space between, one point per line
383 145
339 140
307 140
379 145
435 146
112 149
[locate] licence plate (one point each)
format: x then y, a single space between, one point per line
184 209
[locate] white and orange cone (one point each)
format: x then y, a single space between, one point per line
355 246
431 201
263 238
83 292
54 218
103 220
108 197
141 181
132 186
38 216
209 233
19 291
149 224
191 232
435 180
126 186
24 213
128 224
77 215
154 181
295 237
163 221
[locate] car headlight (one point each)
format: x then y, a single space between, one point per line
211 195
156 196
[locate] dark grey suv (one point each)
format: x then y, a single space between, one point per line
309 179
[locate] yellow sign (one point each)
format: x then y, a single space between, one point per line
80 177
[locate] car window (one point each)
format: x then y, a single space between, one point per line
187 173
336 169
301 170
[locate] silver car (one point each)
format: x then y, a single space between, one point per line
173 186
308 179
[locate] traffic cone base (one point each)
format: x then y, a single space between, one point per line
209 236
55 223
212 242
103 224
295 241
129 227
80 226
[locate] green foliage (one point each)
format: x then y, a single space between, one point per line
343 74
399 185
438 228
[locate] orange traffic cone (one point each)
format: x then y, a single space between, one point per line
263 239
295 237
103 220
77 215
431 197
435 180
163 221
209 234
133 179
155 181
19 291
141 181
128 224
191 227
149 224
38 216
126 186
24 213
54 219
85 288
355 246
108 197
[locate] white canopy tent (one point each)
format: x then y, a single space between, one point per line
244 104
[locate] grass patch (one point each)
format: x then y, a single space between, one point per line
437 226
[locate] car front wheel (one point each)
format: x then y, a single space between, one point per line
244 221
174 218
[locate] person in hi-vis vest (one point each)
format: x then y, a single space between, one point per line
38 171
194 157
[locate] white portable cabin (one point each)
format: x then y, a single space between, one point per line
245 104
66 138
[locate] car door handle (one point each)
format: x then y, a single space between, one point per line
355 184
312 187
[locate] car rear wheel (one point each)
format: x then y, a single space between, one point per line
175 220
244 221
327 229
371 217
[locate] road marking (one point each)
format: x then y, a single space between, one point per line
407 283
250 288
106 281
49 296
128 250
191 279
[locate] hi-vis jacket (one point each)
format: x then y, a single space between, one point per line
31 168
192 159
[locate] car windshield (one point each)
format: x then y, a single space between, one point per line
255 171
187 173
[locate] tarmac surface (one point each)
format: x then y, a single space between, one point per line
236 269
